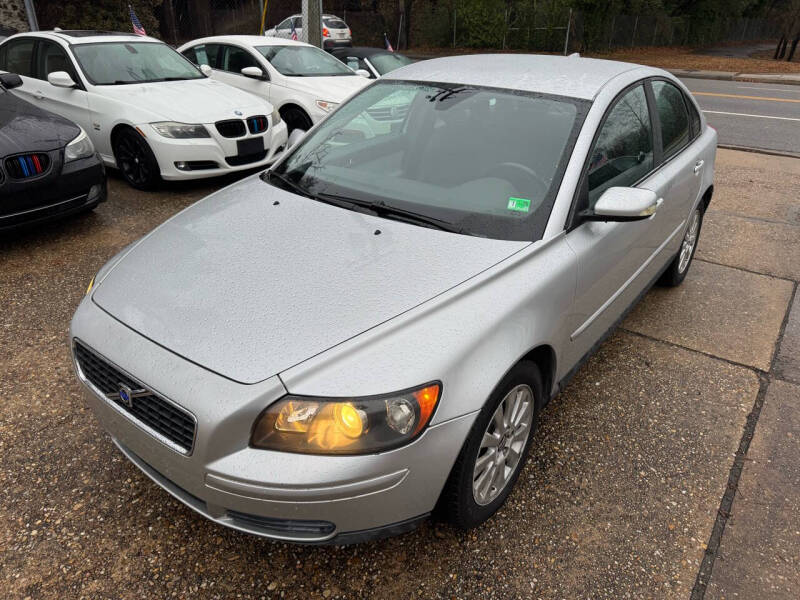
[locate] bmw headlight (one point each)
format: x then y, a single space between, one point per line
311 425
180 131
80 147
326 106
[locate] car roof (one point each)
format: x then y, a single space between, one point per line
359 51
247 40
571 76
75 36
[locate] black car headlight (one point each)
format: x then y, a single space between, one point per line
80 147
311 425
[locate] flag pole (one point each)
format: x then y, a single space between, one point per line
263 18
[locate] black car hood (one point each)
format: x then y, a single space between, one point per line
27 128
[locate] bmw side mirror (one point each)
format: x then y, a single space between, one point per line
206 70
253 72
623 204
60 79
363 73
10 80
295 137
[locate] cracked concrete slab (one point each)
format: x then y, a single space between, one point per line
719 310
787 363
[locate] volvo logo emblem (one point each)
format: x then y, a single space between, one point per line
127 395
238 113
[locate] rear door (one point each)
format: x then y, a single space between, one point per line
615 259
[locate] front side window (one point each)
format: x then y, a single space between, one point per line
303 61
117 63
52 58
483 161
623 151
19 57
673 117
237 59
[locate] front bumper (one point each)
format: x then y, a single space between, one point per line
66 189
180 159
285 496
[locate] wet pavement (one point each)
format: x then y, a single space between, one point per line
626 495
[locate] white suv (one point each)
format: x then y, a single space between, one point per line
148 110
335 32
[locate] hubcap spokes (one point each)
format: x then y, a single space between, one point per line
502 444
689 241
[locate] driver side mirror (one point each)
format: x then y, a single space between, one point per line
295 137
10 80
623 204
206 70
253 73
60 79
363 73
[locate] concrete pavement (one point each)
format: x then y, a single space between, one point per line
626 494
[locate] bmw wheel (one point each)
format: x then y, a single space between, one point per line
493 455
136 160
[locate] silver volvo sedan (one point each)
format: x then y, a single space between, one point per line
365 334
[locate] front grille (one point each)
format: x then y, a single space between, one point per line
257 124
173 423
25 166
231 129
388 113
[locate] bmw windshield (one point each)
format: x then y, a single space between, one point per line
475 160
118 63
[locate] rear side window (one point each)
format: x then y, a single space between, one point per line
207 54
623 152
673 116
19 57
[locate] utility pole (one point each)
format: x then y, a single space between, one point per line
312 22
30 11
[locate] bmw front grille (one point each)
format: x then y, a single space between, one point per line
257 124
25 166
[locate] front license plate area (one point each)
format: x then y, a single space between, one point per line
250 146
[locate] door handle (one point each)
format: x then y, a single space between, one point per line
38 95
698 165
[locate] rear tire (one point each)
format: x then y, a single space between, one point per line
295 118
474 492
135 160
679 267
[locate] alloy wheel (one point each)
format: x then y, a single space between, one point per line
132 160
502 445
689 241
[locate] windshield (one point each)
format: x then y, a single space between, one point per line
483 161
389 62
303 61
117 63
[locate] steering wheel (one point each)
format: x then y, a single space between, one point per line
521 177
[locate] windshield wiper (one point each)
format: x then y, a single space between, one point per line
388 211
270 176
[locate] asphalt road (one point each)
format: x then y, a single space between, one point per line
624 495
751 115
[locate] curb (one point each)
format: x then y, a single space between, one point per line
759 150
785 78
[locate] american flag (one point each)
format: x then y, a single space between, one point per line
137 24
294 32
387 42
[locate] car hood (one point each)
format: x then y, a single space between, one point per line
190 101
332 89
27 128
253 280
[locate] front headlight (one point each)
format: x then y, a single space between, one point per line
276 117
180 131
80 147
311 425
327 106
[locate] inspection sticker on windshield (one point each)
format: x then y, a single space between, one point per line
519 204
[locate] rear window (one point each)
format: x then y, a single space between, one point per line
334 23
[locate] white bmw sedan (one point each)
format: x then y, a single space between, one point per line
303 82
374 335
148 110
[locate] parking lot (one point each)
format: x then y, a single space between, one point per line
624 495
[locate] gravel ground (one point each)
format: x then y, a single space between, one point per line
618 499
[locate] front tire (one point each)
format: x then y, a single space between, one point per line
135 160
295 118
495 450
679 267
